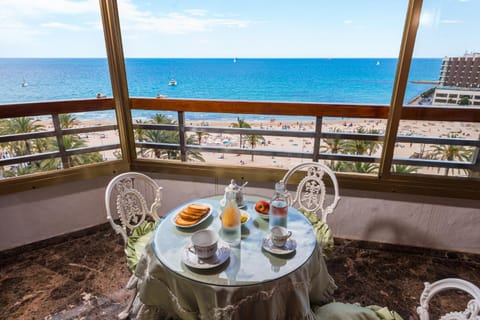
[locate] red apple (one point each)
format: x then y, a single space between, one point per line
262 206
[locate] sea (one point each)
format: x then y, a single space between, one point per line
336 80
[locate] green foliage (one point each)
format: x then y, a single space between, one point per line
253 140
241 123
452 153
464 101
42 145
163 136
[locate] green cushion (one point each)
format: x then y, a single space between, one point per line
136 243
346 311
322 232
324 237
343 311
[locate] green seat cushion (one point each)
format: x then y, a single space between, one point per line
346 311
322 232
343 311
136 243
324 237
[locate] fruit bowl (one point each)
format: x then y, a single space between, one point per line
262 207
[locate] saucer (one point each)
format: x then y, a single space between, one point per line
190 259
289 246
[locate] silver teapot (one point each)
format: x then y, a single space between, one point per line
239 194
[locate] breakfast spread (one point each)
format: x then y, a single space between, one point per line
192 214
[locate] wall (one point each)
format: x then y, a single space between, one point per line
440 223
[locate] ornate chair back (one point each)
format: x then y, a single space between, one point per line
310 195
132 197
473 307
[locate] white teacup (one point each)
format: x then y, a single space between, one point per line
205 243
279 236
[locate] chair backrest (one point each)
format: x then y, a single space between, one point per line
133 197
473 307
311 191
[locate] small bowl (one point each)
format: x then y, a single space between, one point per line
264 216
243 213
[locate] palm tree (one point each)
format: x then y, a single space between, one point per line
200 135
68 120
334 146
361 147
452 152
362 167
253 140
241 123
162 136
71 142
21 125
401 168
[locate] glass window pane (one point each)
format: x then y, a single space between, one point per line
447 50
312 51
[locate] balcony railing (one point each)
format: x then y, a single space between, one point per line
319 111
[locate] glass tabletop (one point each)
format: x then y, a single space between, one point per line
248 263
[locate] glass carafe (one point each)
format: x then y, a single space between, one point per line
279 206
231 224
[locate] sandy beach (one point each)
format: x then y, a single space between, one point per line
274 143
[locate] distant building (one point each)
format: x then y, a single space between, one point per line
461 72
453 95
459 78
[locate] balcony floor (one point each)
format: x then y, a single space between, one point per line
84 277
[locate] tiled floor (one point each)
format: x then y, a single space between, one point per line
83 278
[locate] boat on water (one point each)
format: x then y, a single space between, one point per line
378 63
24 84
235 60
172 82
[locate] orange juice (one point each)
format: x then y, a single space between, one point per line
231 225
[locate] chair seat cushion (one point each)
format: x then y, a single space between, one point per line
322 232
136 243
346 311
324 237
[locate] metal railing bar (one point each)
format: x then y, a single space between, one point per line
158 145
56 154
82 150
439 141
352 136
182 136
29 158
317 138
58 135
247 131
434 163
147 126
89 129
26 136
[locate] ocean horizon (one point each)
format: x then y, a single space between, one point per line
327 80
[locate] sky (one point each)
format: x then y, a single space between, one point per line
244 29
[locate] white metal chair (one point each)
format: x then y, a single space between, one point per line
473 307
311 191
135 199
310 198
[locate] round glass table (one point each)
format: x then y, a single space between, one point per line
249 263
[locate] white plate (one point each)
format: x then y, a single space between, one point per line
191 259
289 246
177 212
